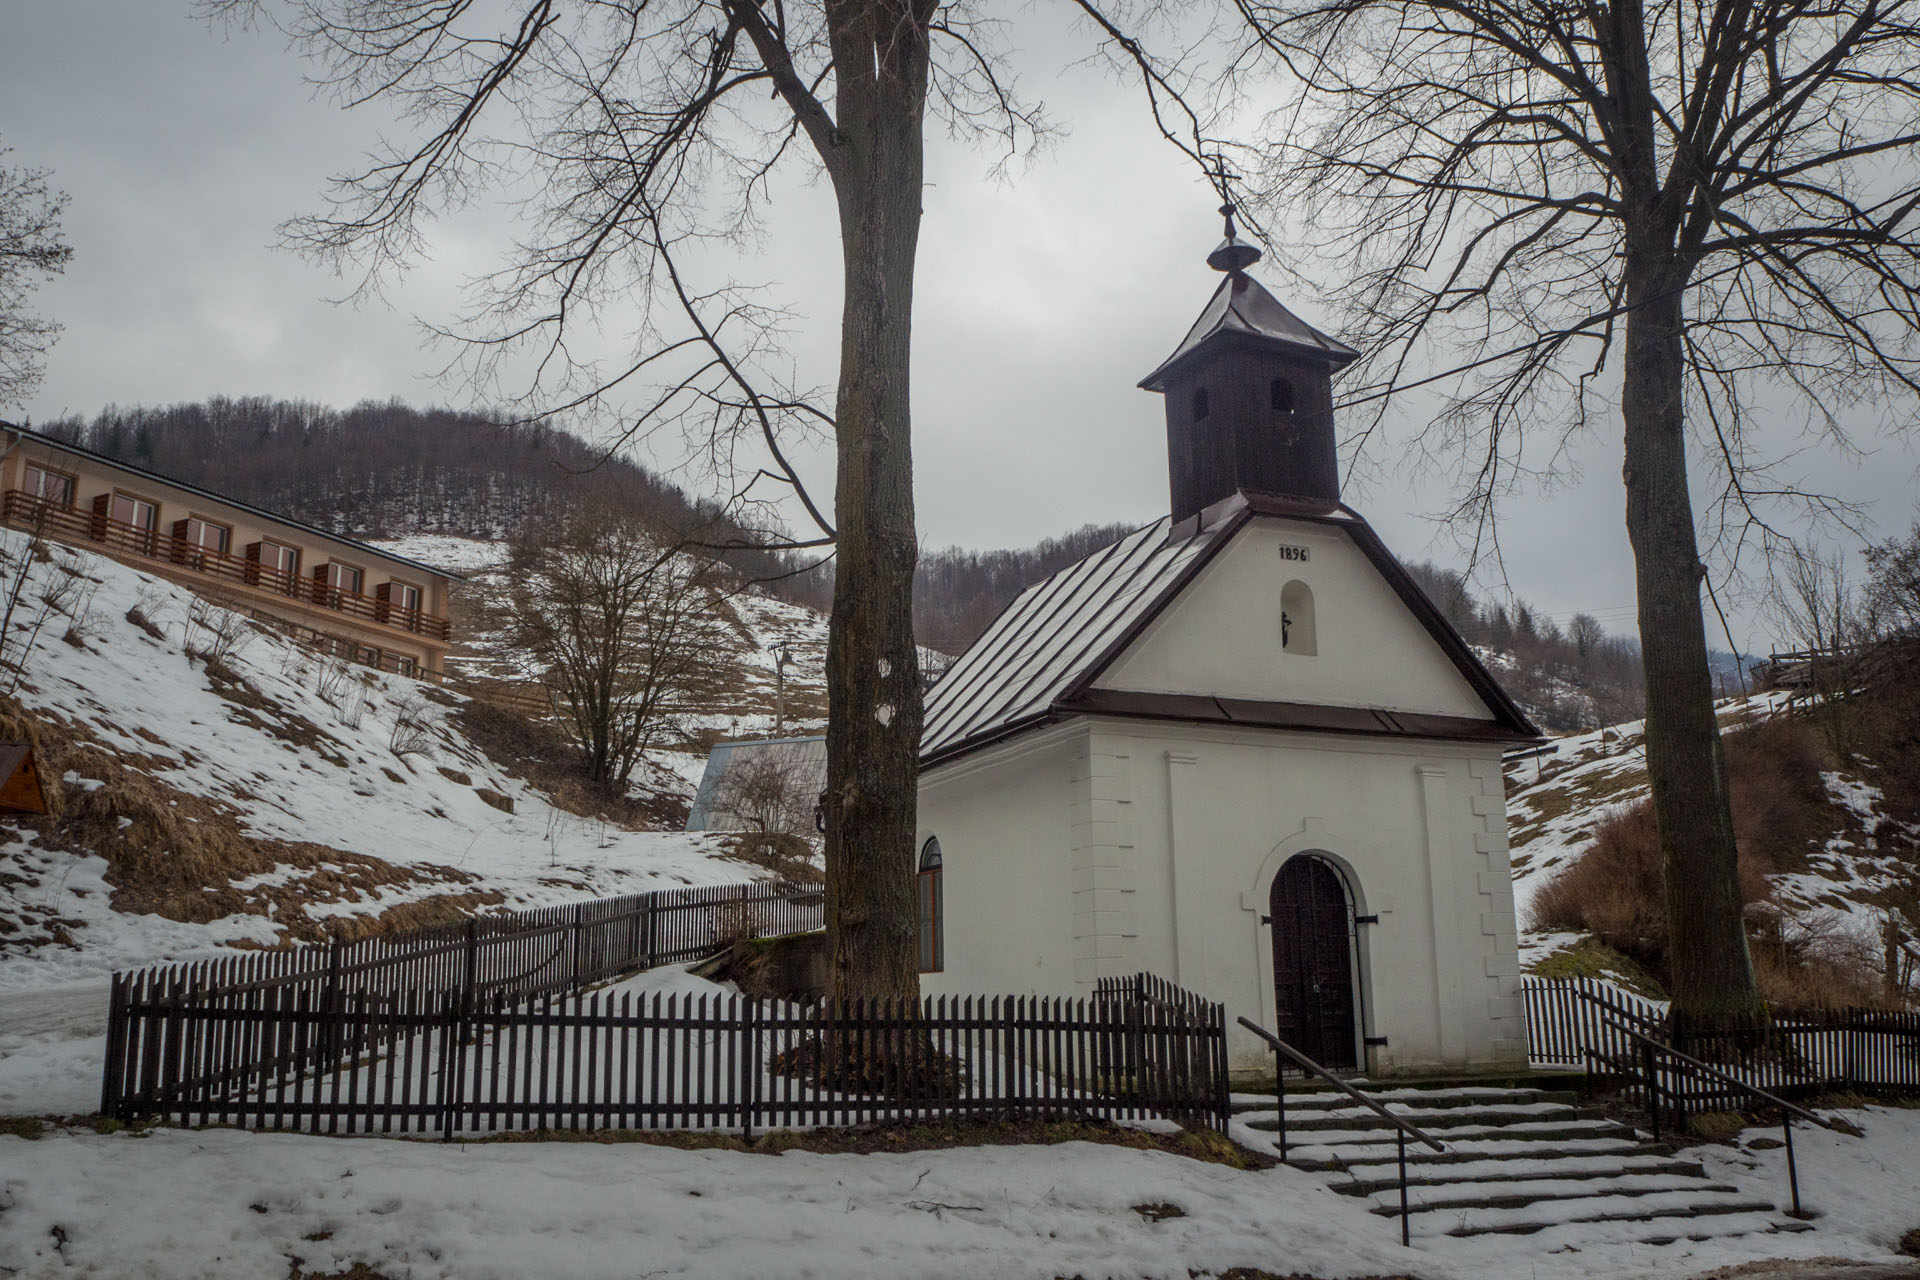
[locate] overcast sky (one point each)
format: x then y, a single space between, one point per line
1040 300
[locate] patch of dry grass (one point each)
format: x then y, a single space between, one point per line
1781 813
179 855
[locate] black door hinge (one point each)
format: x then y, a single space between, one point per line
1366 919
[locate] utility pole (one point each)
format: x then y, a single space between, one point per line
782 655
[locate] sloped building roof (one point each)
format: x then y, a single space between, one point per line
802 763
1038 660
1241 307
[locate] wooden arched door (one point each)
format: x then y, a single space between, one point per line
1313 987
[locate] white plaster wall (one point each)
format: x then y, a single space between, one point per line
1420 830
1221 637
1004 817
1110 846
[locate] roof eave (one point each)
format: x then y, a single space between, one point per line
1335 358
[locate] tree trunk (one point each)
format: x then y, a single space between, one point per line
1712 974
873 685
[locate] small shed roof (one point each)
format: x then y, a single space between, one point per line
20 789
805 757
1039 658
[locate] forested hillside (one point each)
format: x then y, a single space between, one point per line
393 471
389 470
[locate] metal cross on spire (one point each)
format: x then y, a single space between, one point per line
1233 255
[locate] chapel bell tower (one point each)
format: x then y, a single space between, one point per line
1249 395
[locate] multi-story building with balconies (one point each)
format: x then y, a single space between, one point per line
351 599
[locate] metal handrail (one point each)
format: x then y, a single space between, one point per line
1403 1130
1726 1078
1788 1110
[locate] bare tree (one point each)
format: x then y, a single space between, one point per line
627 634
1891 601
642 130
31 252
766 793
1816 606
1692 205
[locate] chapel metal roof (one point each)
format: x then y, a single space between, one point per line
1052 632
1242 306
1039 658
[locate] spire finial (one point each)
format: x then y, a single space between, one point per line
1232 256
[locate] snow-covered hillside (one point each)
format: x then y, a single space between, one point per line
757 625
1556 801
262 794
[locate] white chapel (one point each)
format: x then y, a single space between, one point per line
1238 748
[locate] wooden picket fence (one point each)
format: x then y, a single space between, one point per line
608 1061
1569 1017
1577 1022
232 1019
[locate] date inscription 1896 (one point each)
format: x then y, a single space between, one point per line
1293 553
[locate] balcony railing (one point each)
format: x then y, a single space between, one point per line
26 511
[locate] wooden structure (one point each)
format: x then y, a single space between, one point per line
21 790
481 1027
1590 1024
353 600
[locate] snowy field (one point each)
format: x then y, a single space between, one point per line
221 1203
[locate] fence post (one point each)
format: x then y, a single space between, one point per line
453 1056
111 1081
573 974
1223 1085
750 1087
1653 1089
473 957
746 922
653 908
330 1006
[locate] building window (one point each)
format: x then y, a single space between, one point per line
932 940
279 565
1296 619
200 543
205 535
367 656
134 520
1281 394
51 487
404 666
1199 403
337 582
399 604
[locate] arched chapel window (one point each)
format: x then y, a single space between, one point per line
932 943
1296 619
1199 403
1281 395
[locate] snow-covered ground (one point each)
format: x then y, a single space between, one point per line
220 1203
295 749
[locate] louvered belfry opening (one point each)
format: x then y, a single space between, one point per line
1249 396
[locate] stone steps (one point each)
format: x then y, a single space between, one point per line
1438 1120
1506 1171
1516 1161
1422 1099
